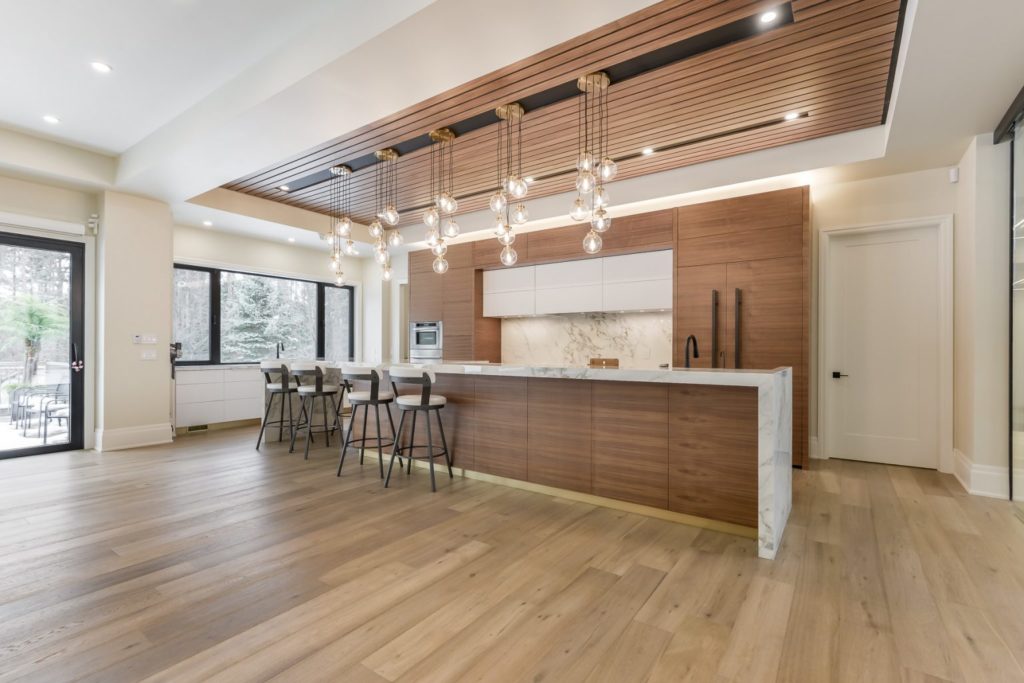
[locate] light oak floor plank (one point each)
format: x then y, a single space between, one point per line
207 560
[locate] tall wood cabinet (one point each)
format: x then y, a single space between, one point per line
456 299
743 289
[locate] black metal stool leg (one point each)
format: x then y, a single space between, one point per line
394 435
380 448
444 443
291 420
362 433
395 450
348 437
430 452
327 429
280 425
336 407
412 443
298 426
309 424
263 427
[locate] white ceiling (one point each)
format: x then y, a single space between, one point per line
167 55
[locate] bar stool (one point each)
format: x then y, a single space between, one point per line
282 388
374 397
308 394
415 403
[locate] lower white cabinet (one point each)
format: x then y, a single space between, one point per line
207 395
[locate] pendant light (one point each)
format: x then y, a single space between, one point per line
506 202
439 216
385 210
340 236
593 165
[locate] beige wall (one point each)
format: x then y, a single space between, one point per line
219 249
46 201
133 295
981 322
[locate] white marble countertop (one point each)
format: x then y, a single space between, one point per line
753 378
719 376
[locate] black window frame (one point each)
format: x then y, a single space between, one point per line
214 321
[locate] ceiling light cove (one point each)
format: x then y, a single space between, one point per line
792 116
647 151
283 188
769 16
101 67
51 119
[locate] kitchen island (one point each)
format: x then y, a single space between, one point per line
700 444
709 447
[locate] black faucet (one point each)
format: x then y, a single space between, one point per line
280 347
696 353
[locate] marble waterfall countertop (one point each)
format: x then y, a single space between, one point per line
725 377
774 419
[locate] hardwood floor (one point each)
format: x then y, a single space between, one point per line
206 560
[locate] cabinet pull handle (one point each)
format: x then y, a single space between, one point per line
736 328
714 327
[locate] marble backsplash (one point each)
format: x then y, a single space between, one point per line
638 340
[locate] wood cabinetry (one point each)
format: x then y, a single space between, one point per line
558 433
754 251
685 448
456 299
712 452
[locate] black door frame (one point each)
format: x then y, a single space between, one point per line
76 341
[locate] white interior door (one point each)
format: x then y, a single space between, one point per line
883 337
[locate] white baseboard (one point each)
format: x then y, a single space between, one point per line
991 481
133 437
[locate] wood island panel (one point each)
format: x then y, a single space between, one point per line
500 426
713 452
559 433
630 442
458 417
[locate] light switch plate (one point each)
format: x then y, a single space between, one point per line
148 355
143 339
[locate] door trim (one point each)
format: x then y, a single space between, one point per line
943 225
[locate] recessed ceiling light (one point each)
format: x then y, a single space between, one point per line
51 119
792 115
283 188
528 179
291 239
101 67
647 151
769 17
208 224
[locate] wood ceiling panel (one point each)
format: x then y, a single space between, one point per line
833 62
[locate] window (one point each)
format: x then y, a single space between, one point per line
192 313
337 322
223 316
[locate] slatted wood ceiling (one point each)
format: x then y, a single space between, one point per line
833 62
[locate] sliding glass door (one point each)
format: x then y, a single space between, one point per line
1017 316
41 345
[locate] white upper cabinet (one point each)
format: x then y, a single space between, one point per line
633 282
509 279
637 282
569 287
509 292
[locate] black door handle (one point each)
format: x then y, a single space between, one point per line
836 374
76 363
